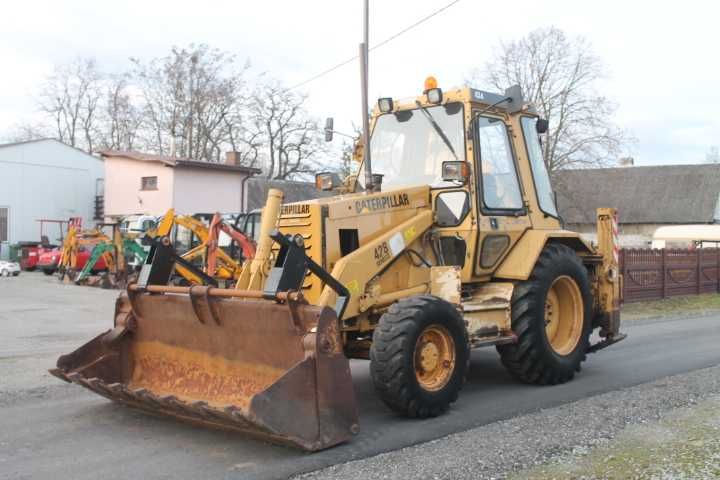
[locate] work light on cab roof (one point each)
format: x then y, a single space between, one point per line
385 104
432 92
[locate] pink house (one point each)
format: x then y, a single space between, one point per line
151 184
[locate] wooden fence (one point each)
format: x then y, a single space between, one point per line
650 274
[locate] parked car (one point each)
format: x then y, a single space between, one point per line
48 260
30 255
9 268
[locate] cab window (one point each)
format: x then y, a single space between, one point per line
545 196
148 225
500 186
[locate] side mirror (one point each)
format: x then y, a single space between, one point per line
541 126
329 123
456 172
327 181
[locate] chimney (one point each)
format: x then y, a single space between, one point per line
232 158
626 162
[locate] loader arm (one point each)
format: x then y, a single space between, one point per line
194 225
246 244
164 226
163 229
217 261
356 269
100 250
197 228
223 269
189 256
132 246
68 247
254 274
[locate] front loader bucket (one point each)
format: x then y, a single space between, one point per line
272 369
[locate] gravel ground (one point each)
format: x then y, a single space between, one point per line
683 445
506 448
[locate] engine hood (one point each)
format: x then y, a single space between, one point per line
363 203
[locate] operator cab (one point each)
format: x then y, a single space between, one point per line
470 146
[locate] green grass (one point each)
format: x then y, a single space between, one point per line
683 445
673 306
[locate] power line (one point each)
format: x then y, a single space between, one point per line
387 40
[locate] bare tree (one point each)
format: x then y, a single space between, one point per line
121 117
23 132
291 139
71 97
713 154
559 76
193 101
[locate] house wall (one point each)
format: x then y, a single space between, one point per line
123 193
200 190
46 179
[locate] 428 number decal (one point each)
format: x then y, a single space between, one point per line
382 253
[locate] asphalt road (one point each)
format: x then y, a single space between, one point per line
49 429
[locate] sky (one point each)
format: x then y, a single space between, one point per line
663 69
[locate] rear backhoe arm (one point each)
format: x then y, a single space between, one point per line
609 280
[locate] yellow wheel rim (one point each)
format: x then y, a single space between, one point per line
564 315
434 357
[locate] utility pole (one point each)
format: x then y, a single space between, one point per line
364 50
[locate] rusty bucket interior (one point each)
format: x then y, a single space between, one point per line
271 368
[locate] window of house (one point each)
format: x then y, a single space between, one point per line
148 183
4 214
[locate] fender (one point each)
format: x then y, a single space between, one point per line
518 264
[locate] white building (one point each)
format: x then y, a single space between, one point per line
45 179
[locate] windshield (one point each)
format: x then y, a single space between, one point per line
407 149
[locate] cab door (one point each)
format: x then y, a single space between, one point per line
501 200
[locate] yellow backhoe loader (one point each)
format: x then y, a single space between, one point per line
449 241
215 264
76 250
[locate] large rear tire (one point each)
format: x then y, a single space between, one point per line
419 356
551 317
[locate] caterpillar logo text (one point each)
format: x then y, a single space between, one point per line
294 209
381 203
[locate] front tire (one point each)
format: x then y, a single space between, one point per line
551 314
419 356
